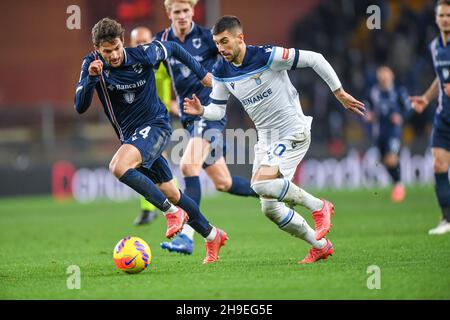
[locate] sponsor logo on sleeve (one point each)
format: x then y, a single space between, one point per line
285 54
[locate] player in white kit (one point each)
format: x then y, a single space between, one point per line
257 76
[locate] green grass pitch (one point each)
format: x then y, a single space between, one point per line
41 238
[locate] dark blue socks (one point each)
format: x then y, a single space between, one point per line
144 186
196 219
241 187
394 172
193 188
442 188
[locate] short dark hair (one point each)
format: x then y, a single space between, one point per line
107 30
226 23
442 2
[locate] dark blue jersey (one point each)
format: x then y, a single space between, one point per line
128 92
441 62
199 43
384 103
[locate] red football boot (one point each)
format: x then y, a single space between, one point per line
175 222
213 247
322 219
317 254
398 193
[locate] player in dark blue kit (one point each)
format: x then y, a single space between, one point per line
440 137
206 148
388 106
125 84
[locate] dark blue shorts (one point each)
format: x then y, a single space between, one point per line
440 138
151 142
212 131
389 144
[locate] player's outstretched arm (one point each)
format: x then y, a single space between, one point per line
322 67
178 52
86 85
419 103
349 102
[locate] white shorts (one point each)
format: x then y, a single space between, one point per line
285 154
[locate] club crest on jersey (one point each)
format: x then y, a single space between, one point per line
185 71
129 96
257 78
197 43
137 67
445 73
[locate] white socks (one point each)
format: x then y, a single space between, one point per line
212 235
290 221
172 209
285 191
188 231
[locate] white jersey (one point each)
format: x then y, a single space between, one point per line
263 86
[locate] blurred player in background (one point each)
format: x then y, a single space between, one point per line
125 84
257 76
440 137
140 36
387 108
206 147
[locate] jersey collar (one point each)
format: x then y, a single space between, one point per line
125 55
244 60
188 34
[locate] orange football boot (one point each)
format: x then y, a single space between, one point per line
317 254
322 219
175 222
398 193
213 247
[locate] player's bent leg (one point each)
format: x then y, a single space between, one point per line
392 163
441 163
126 157
190 166
223 181
123 166
284 190
215 238
291 222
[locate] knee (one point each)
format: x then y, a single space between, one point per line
439 165
391 160
259 187
117 169
173 197
265 188
189 170
223 185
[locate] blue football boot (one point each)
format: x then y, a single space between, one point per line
181 244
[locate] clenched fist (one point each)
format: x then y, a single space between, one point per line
95 68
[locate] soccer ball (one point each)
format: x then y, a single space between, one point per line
132 255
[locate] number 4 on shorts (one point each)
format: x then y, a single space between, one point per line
144 132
